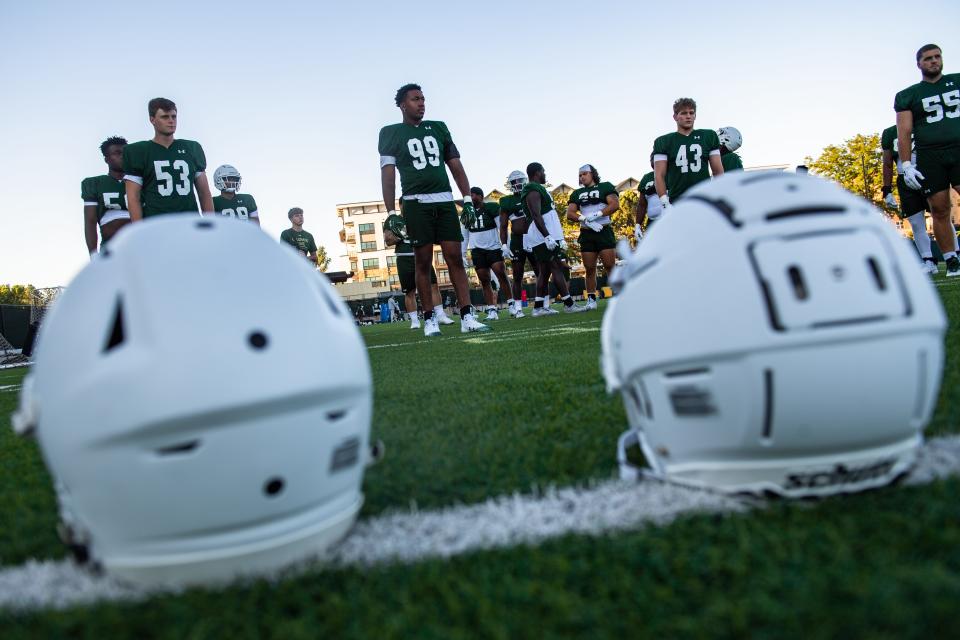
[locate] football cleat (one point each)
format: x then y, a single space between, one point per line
517 312
492 315
415 323
573 308
930 267
226 178
769 394
469 324
430 327
591 304
149 490
730 138
953 267
442 317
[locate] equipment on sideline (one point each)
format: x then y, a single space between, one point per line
805 361
191 433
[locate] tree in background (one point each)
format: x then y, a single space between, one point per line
856 165
16 293
323 260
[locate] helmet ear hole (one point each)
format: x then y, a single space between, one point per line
258 340
116 337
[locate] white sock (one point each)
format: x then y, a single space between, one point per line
438 310
920 238
510 303
949 254
409 316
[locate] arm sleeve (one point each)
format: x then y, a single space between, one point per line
901 102
450 150
132 165
88 192
387 148
200 158
313 244
254 210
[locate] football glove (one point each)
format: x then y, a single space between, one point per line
638 232
665 200
911 176
890 201
550 242
505 250
562 244
593 226
594 216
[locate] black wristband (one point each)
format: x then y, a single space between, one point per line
887 190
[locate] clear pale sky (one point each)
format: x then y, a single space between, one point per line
294 95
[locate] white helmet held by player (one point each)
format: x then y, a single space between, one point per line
730 138
805 361
227 178
193 431
517 180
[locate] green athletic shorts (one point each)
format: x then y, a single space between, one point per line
940 169
485 258
596 241
544 255
911 201
431 223
407 271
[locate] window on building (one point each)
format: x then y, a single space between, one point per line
371 263
438 258
368 246
367 227
394 281
391 261
353 266
443 276
379 283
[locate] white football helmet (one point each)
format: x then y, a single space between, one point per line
805 360
197 432
730 138
227 178
517 180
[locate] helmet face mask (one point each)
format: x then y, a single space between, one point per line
227 453
517 180
227 178
819 365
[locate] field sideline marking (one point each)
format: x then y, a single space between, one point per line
520 332
505 521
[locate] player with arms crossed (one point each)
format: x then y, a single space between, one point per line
165 174
546 237
419 149
105 197
230 203
511 209
299 239
686 157
481 233
395 235
592 205
912 203
928 114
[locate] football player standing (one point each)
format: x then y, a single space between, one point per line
730 141
105 197
928 114
592 205
165 174
395 235
230 203
648 205
546 237
511 209
419 149
685 157
480 222
299 239
912 203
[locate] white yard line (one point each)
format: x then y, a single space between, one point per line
505 521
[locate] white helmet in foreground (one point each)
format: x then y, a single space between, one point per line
198 425
227 178
805 361
730 138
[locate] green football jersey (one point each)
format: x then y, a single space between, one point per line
165 175
108 194
593 199
731 162
546 201
936 112
420 155
647 185
299 240
889 142
241 205
512 206
485 218
687 158
396 224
